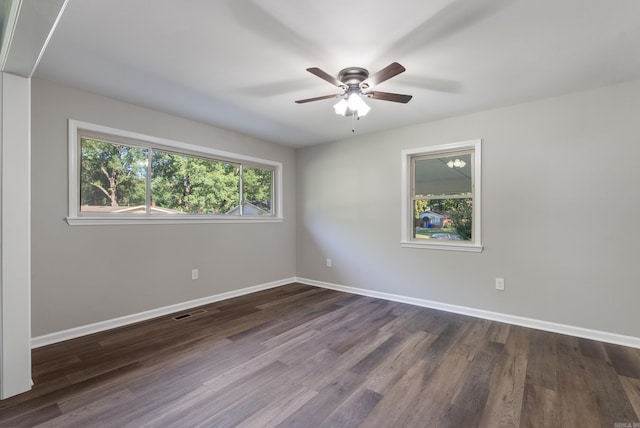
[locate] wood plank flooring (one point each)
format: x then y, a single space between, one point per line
300 356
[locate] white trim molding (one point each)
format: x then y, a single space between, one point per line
97 327
570 330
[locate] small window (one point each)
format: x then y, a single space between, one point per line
441 197
117 176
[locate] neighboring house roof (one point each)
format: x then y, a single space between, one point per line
247 209
430 214
119 209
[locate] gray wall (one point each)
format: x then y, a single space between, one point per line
559 221
87 274
560 207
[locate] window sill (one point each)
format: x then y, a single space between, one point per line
449 246
129 220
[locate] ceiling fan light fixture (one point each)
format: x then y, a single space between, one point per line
341 107
364 109
458 163
357 105
352 104
353 101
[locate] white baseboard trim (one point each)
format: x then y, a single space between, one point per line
585 333
72 333
75 332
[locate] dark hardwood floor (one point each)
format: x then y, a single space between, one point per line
299 356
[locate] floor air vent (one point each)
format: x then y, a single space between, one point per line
189 314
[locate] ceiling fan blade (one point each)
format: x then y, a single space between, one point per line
326 76
272 89
255 18
386 73
433 84
324 97
387 96
455 17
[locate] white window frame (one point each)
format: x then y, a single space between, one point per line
75 217
407 240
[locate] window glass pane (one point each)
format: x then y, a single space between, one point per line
446 175
112 177
448 219
257 191
183 184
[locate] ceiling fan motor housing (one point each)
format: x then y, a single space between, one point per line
353 76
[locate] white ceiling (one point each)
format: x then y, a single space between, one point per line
240 64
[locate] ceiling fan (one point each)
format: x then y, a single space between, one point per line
355 81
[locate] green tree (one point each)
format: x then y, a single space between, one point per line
112 174
421 205
167 188
461 217
194 185
115 174
257 186
213 186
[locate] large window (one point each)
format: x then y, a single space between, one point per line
118 176
441 192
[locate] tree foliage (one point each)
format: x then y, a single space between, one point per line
112 174
115 175
461 218
421 205
257 186
194 185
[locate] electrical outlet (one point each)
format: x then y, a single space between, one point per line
194 273
500 284
328 262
